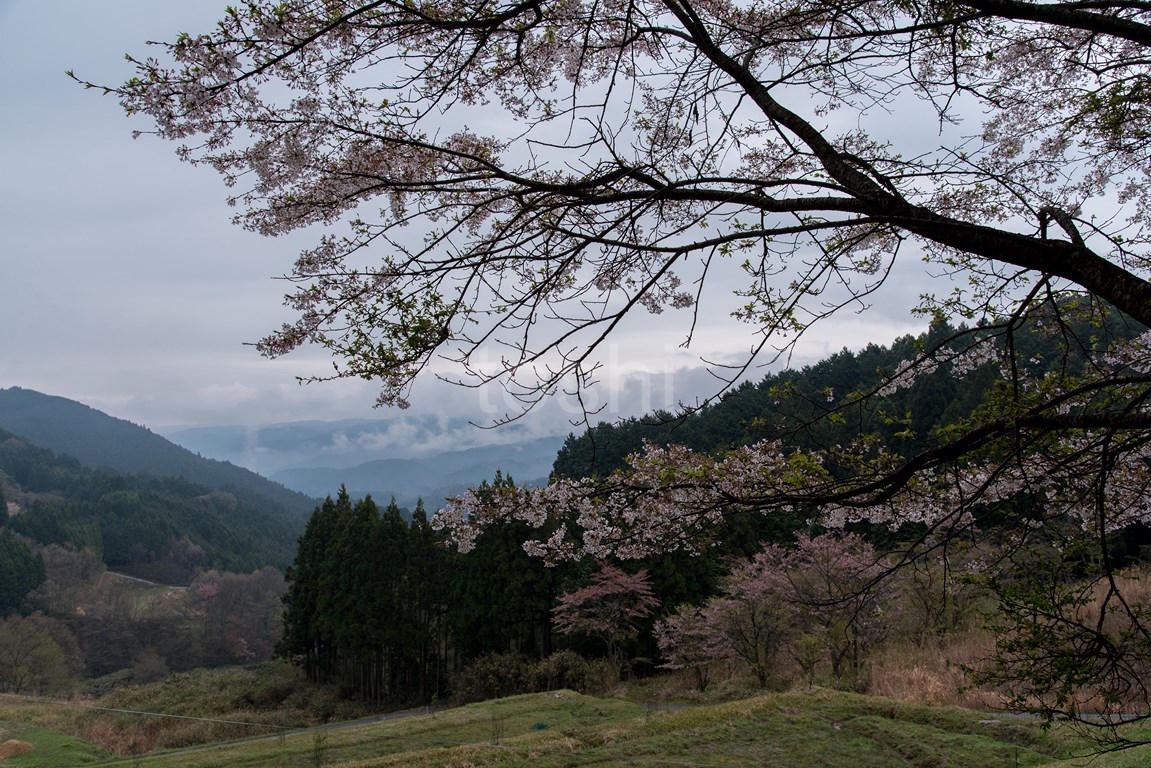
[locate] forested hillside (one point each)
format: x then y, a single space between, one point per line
806 408
65 618
165 528
775 592
99 440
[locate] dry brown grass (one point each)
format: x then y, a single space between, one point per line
122 736
1135 587
932 673
927 673
14 747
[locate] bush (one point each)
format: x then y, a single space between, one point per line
565 669
148 668
493 677
498 675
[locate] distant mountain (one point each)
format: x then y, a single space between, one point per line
404 457
433 477
410 456
274 448
102 441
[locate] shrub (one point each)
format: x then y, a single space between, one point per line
565 669
498 675
492 677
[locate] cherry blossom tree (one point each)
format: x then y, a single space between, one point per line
755 616
515 178
608 608
237 616
688 640
824 599
501 185
841 598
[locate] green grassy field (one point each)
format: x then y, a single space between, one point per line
50 749
550 730
798 730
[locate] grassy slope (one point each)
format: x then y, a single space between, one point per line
51 749
798 730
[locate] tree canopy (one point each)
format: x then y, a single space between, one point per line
506 181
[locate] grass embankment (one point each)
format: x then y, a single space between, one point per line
29 746
798 730
193 708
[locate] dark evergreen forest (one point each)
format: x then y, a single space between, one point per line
383 606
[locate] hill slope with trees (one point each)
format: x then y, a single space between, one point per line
829 402
164 528
102 441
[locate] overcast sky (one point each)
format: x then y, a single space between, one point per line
124 285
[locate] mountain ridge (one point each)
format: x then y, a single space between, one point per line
432 478
410 470
306 444
102 441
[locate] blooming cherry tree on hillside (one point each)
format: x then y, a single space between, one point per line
756 615
688 640
836 581
609 608
822 600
